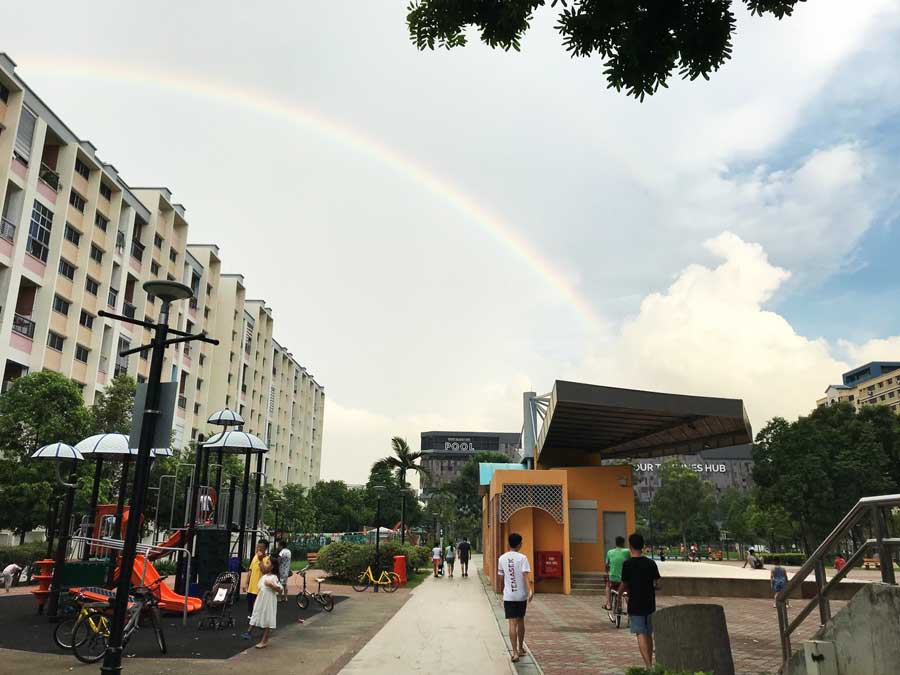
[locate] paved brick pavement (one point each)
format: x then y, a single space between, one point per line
571 635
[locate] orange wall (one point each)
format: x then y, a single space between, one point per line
601 484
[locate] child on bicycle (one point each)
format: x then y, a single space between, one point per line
615 558
265 609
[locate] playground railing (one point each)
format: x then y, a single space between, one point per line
145 549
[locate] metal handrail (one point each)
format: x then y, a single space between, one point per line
872 506
50 177
7 229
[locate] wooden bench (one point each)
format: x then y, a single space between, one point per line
876 562
311 559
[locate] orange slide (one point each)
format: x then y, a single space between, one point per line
144 573
174 541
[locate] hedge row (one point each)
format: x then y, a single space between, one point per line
346 561
23 555
786 558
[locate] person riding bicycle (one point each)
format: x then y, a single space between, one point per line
615 557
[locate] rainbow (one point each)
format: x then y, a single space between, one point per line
265 102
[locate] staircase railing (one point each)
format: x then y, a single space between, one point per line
871 507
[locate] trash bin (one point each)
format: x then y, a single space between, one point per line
400 567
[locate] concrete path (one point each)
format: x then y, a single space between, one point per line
447 626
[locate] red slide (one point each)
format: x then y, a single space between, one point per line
143 573
174 541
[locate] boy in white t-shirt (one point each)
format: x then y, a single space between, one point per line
517 592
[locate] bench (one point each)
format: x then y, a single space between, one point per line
311 558
876 562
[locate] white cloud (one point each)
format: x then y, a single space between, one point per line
710 333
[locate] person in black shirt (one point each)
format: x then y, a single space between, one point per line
465 551
640 579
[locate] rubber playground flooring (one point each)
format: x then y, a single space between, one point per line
23 629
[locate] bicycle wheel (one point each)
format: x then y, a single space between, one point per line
90 637
327 601
302 600
395 583
157 628
62 634
362 583
618 616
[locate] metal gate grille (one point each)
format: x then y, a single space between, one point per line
516 496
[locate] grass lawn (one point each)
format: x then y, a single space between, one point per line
299 565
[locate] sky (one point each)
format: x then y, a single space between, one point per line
438 232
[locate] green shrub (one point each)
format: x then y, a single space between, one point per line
786 558
23 555
166 566
346 560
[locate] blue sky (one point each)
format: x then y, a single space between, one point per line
718 230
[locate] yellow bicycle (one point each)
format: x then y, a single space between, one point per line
389 581
93 612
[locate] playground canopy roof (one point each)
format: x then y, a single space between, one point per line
585 423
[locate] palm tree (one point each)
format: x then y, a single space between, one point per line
402 461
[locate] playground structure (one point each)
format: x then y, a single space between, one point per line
199 534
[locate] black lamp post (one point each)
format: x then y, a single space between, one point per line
168 292
379 490
60 452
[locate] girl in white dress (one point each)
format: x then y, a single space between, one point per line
265 609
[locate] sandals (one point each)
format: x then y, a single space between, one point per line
515 657
262 646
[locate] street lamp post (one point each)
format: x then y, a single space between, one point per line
379 490
168 292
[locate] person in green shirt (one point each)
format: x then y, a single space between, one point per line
615 558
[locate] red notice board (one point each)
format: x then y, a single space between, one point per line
549 565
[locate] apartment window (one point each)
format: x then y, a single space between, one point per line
157 241
151 298
199 384
206 312
101 221
145 354
55 341
86 320
154 267
96 253
66 268
105 191
173 255
202 359
77 200
71 234
92 286
61 305
82 169
141 379
4 93
81 353
39 231
196 408
25 135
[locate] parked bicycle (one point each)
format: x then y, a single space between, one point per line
90 636
77 607
618 607
389 581
325 600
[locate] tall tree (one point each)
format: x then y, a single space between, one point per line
684 504
641 43
38 409
339 508
112 409
466 517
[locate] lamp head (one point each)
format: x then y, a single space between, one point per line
168 291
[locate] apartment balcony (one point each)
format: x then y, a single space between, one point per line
7 229
137 251
103 365
182 401
128 309
50 178
120 243
113 297
23 326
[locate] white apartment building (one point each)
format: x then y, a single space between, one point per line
76 239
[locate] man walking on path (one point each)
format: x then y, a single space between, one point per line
615 558
464 549
640 579
517 592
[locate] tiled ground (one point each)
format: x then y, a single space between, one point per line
572 635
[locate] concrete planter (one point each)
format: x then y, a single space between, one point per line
693 637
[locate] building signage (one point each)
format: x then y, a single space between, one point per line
699 468
459 444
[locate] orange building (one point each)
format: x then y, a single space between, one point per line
567 507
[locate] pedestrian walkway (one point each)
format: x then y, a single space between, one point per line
447 626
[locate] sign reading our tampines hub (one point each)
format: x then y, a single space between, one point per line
699 468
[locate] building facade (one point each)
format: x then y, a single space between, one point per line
444 453
723 467
875 383
76 239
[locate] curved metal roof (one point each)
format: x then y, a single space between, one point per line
585 423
